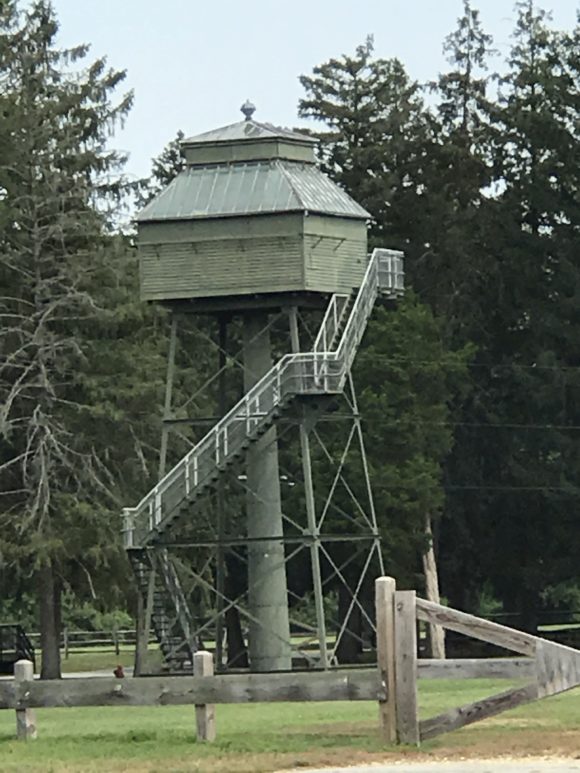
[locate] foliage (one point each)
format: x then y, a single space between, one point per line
469 390
372 114
481 192
407 380
78 375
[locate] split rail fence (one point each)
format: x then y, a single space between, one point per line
545 668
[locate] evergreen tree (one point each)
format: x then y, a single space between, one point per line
449 262
373 116
408 380
380 144
165 167
60 183
517 448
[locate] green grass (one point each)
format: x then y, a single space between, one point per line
103 659
268 737
97 660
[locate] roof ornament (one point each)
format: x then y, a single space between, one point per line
248 109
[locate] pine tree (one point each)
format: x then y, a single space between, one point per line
450 265
526 461
373 113
165 167
59 183
379 144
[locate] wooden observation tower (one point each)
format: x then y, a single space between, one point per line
251 232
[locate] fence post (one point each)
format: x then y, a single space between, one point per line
116 640
204 713
406 667
25 718
65 642
385 588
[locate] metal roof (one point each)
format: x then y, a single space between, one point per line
250 188
247 130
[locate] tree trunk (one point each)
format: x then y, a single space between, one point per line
50 622
529 601
141 638
237 651
436 632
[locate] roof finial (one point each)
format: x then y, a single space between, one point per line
248 109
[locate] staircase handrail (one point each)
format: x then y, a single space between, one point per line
314 372
330 323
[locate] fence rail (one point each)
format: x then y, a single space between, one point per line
551 668
547 669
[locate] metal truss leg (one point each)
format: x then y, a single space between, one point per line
311 513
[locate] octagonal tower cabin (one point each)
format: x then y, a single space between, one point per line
251 222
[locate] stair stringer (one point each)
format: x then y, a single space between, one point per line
170 615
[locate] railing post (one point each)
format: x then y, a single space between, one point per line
406 667
128 527
25 718
157 506
204 712
385 588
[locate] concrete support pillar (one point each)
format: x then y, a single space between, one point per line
269 640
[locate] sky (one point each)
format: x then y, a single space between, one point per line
192 63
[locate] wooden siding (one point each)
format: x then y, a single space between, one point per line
215 268
248 255
335 254
221 257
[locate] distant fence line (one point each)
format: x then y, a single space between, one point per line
74 640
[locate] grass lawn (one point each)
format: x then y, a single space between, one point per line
97 660
269 737
104 659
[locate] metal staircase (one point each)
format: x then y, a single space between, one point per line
159 585
322 371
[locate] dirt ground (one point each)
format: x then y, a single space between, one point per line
536 765
473 750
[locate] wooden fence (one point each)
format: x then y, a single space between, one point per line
546 667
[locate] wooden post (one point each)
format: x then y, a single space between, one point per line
143 627
25 718
116 640
66 644
205 712
436 633
385 588
406 667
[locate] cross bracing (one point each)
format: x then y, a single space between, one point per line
295 392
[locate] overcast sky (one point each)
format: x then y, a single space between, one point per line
192 63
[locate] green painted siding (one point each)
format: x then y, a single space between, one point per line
237 256
335 254
247 255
